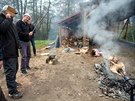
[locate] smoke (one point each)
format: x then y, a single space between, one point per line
53 33
106 14
76 1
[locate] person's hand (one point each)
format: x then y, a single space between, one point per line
30 33
1 63
8 15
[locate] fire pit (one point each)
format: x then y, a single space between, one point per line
110 84
113 80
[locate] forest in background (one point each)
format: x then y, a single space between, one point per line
44 12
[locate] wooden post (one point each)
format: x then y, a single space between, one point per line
59 35
85 36
125 37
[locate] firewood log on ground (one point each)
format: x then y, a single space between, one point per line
84 50
117 66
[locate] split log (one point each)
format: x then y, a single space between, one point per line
116 66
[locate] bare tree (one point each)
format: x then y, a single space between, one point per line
25 6
48 20
42 9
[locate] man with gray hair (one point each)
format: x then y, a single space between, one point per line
24 36
9 44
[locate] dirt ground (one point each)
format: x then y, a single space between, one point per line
72 79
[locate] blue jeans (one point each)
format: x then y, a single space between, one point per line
26 54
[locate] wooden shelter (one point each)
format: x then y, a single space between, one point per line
75 26
71 31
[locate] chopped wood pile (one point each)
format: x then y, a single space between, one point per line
70 42
86 41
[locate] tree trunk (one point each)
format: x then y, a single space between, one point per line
48 17
25 6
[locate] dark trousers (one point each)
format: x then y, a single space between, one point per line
10 68
33 45
26 54
2 97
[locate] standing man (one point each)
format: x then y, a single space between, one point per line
32 39
9 42
24 36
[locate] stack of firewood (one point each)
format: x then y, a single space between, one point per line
69 42
86 41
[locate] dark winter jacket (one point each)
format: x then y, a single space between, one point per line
23 31
1 55
31 28
9 40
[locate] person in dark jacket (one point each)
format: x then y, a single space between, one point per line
2 96
1 58
9 44
32 39
24 36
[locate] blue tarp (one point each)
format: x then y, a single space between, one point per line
132 20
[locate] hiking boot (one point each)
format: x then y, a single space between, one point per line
28 68
16 95
24 71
